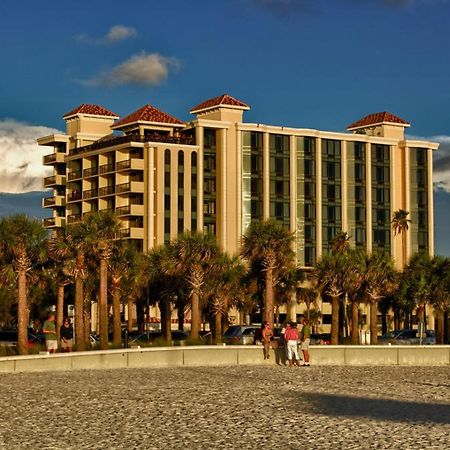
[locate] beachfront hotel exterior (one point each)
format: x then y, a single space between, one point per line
216 173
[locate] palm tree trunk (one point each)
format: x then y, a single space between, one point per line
59 308
87 326
268 298
195 315
22 314
218 327
166 320
117 324
130 312
355 322
79 322
440 327
373 322
334 320
103 305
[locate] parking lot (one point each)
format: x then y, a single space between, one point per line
242 407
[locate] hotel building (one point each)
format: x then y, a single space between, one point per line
216 173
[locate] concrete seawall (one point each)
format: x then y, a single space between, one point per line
330 355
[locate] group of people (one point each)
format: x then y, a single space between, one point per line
292 338
51 335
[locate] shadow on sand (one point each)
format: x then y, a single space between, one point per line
380 409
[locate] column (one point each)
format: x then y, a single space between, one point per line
266 177
318 198
369 239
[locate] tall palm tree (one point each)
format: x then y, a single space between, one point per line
191 254
440 285
400 224
329 274
379 280
354 287
224 288
60 267
268 245
307 295
102 231
22 250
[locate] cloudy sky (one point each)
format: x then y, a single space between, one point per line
306 63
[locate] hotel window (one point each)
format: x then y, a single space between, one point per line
167 161
306 201
418 200
194 191
252 177
279 173
381 194
209 176
331 198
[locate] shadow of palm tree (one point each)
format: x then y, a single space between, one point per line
381 409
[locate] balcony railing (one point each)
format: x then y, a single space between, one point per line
124 187
123 210
48 159
49 201
154 137
107 168
74 196
90 172
74 218
123 164
50 222
91 193
74 175
48 181
107 190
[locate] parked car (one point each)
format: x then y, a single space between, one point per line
9 338
240 334
407 337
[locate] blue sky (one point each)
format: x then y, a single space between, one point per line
305 63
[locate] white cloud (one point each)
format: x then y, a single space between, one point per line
141 69
21 168
115 34
119 33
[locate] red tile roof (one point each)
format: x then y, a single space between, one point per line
377 119
148 113
93 110
223 99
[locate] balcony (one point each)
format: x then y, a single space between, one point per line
107 168
55 180
90 172
130 164
72 218
74 196
74 175
132 233
54 222
130 210
54 158
91 193
58 200
104 191
131 187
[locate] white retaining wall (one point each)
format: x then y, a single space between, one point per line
436 355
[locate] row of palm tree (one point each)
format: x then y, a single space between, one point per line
191 272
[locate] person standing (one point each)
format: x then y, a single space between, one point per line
267 335
306 334
291 338
66 335
49 330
